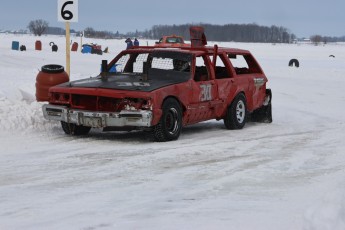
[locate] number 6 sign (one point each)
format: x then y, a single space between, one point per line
68 10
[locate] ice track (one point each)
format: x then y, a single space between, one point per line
284 175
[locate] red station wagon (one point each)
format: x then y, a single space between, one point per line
160 90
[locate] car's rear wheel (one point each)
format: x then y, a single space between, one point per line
236 115
170 124
73 129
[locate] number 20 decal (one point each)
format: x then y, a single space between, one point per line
205 94
66 14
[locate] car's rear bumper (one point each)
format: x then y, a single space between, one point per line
134 118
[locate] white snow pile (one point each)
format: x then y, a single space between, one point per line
285 175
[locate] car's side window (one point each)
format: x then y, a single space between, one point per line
244 64
201 71
239 63
221 70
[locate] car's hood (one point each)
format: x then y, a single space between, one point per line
157 79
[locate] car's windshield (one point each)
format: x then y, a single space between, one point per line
174 40
162 60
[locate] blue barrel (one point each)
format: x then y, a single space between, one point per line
15 45
86 49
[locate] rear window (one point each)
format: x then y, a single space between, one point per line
174 40
244 64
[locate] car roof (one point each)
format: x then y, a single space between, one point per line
172 36
191 50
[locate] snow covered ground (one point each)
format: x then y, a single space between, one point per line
285 175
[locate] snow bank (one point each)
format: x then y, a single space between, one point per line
24 115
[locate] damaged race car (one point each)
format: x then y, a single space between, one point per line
161 90
171 41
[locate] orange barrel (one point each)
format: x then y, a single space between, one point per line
38 45
74 46
50 75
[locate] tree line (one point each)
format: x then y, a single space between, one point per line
228 32
89 32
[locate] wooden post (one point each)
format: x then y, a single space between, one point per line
81 41
68 49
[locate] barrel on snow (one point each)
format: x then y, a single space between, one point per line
15 45
86 49
54 47
38 45
74 47
22 48
50 75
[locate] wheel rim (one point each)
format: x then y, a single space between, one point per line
171 121
240 111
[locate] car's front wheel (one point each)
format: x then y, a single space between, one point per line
170 124
236 115
73 129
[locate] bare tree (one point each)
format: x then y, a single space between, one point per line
316 39
38 27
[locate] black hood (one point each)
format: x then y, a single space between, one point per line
157 78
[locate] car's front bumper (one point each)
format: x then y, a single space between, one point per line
134 118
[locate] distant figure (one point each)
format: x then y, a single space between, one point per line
129 43
136 42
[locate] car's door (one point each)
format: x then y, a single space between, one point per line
249 77
204 92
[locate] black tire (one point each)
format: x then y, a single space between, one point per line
73 129
170 124
52 68
294 62
236 115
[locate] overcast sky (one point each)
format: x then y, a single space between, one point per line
302 17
